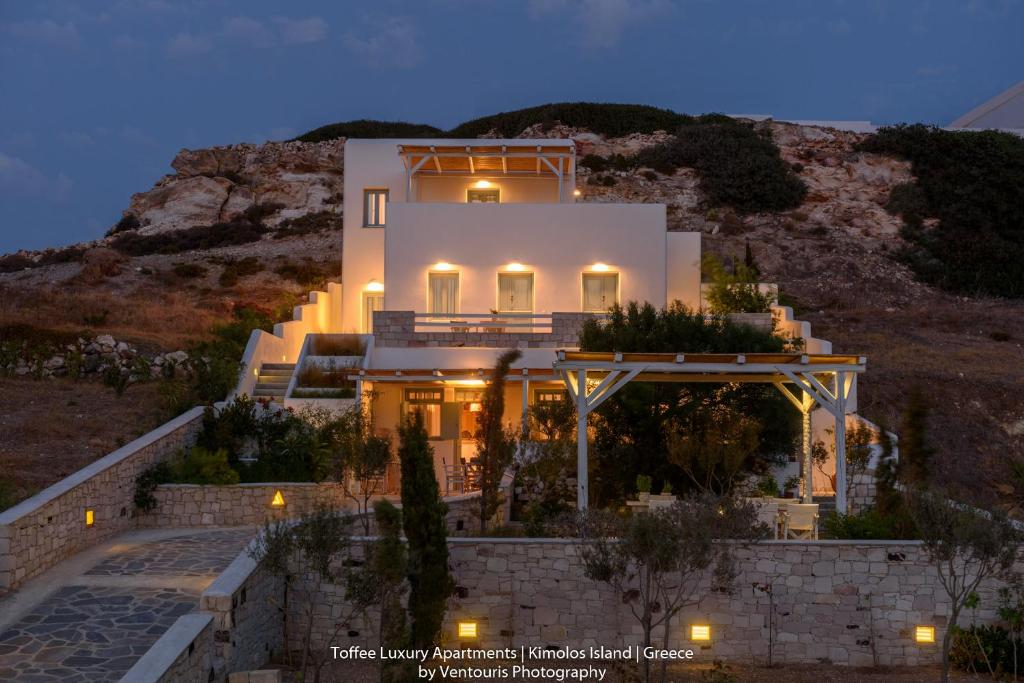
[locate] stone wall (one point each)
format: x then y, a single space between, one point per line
398 328
183 654
247 606
50 526
849 603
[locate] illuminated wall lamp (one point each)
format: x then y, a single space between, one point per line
515 267
374 286
600 268
576 193
90 517
442 265
467 630
481 184
700 632
278 500
924 634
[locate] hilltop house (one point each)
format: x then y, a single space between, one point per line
455 249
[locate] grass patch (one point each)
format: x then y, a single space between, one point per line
235 270
189 271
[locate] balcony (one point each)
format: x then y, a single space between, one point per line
498 330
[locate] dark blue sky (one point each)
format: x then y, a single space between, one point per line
96 98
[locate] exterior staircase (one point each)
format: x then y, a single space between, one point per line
272 381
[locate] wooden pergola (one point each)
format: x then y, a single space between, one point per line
806 380
503 159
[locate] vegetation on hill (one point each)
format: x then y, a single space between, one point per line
366 128
613 120
973 183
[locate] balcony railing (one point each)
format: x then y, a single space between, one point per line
484 323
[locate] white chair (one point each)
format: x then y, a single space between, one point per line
801 521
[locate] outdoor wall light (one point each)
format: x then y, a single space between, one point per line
442 265
482 184
700 632
90 517
600 268
515 267
576 193
924 634
467 630
374 286
278 500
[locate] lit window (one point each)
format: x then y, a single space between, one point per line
491 195
548 396
600 291
515 292
375 204
426 402
443 293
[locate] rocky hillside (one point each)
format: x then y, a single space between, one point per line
832 257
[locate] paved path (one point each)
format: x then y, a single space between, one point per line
90 618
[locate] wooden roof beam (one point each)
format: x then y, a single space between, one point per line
469 155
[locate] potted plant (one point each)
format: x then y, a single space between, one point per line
792 486
665 498
768 486
643 487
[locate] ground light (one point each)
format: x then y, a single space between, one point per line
278 500
924 634
700 632
90 517
467 630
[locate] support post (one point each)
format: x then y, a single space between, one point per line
808 447
526 404
840 434
581 440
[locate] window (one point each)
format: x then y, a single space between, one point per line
549 396
515 292
443 293
375 204
600 291
372 301
480 196
427 402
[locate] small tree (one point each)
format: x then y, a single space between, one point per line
713 446
657 560
307 555
735 292
361 461
423 518
546 460
496 443
965 545
859 442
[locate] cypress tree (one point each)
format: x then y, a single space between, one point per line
423 518
916 452
497 444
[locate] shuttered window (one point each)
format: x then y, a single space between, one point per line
515 292
443 293
600 291
375 204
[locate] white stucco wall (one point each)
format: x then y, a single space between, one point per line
556 242
682 264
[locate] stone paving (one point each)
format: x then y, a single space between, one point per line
95 626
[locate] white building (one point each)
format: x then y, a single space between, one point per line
456 249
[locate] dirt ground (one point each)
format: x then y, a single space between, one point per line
347 672
51 428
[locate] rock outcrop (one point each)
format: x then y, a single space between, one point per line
216 185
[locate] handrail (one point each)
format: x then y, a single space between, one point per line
462 316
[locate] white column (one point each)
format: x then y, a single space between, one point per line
805 414
581 440
840 433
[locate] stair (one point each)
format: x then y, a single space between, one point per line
272 381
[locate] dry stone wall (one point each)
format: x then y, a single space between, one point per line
843 602
51 526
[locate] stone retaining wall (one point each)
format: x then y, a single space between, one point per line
183 654
849 603
51 526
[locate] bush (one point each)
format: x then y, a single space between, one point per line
127 223
305 273
202 466
189 271
612 120
189 239
978 648
737 165
365 128
317 221
973 182
868 524
234 270
324 345
146 484
735 292
317 377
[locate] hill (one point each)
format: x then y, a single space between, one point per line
258 225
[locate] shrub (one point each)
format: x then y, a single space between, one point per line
258 211
189 239
324 345
305 273
127 223
189 271
202 466
316 376
146 483
735 292
981 648
612 120
973 182
317 221
365 128
234 270
868 524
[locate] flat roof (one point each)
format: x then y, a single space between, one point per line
551 158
